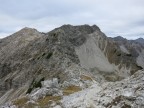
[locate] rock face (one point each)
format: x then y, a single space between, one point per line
133 51
91 56
44 69
123 94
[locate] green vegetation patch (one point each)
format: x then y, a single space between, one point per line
20 102
84 77
49 55
46 101
71 89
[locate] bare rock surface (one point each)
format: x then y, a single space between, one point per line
70 66
127 93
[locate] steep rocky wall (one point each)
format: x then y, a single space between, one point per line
91 56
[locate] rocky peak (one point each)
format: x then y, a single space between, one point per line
25 29
27 32
87 29
119 38
140 40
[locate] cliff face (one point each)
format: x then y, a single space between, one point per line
76 56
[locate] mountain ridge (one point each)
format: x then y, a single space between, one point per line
68 57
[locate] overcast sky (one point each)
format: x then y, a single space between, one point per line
114 17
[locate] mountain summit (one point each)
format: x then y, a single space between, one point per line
140 40
70 66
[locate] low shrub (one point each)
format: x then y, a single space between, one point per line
35 84
49 55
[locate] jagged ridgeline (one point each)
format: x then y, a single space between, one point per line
40 67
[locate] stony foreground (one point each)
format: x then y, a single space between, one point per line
128 93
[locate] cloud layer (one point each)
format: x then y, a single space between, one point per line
114 17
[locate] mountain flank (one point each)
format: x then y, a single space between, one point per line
71 66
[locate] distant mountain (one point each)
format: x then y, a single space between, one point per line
70 67
140 40
119 38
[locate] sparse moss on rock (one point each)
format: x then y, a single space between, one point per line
49 55
35 84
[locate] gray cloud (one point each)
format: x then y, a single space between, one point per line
114 17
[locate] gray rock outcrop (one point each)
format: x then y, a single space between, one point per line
35 66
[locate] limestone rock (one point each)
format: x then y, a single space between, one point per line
50 83
80 58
